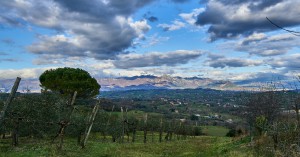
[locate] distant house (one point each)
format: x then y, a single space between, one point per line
207 117
182 120
197 115
290 111
229 120
217 116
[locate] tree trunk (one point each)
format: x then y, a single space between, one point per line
145 135
152 134
145 128
65 123
79 138
123 126
133 135
127 134
167 136
297 113
15 135
107 123
160 130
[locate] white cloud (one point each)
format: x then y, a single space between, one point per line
172 27
191 18
27 73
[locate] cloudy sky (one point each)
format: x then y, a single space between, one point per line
220 39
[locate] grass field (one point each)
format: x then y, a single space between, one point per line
215 130
203 146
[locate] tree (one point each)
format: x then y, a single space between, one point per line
71 83
68 80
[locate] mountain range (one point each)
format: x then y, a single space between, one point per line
136 83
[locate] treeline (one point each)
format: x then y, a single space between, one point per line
52 117
274 122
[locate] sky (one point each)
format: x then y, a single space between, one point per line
228 40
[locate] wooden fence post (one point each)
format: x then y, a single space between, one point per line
10 98
90 124
107 123
161 130
145 127
123 125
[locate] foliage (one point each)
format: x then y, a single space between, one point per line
195 147
194 117
68 80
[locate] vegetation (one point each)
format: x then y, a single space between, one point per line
68 80
193 147
152 123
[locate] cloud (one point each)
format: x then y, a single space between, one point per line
262 45
257 79
218 61
151 40
96 29
172 27
31 73
191 18
233 18
108 7
156 59
152 19
289 62
180 1
8 60
8 41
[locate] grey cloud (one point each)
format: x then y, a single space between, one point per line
7 41
156 59
290 62
262 77
152 19
230 19
8 60
218 61
93 28
262 45
103 10
4 20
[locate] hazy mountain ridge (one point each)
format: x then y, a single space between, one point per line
164 82
135 83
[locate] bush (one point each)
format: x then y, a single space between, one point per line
231 133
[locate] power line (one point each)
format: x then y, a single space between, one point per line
290 31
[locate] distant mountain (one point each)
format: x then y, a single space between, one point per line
26 85
163 82
136 83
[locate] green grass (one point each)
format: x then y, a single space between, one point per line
215 130
203 146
